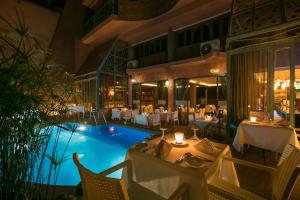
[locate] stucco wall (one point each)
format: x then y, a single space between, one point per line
41 21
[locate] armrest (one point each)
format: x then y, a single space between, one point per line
182 192
126 163
251 164
218 191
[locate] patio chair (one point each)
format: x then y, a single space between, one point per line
284 176
191 118
174 118
127 115
98 186
156 120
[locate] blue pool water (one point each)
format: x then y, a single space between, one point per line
99 147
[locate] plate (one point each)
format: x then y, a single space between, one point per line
183 144
194 162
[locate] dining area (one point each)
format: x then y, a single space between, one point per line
176 166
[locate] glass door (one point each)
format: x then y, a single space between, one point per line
282 102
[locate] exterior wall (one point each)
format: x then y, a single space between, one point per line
69 29
40 20
82 51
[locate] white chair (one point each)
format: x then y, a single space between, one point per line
156 120
283 178
98 186
191 118
156 111
116 114
73 109
197 116
127 115
174 117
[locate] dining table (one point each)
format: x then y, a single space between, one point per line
204 123
142 119
267 135
164 175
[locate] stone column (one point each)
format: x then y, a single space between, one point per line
171 95
171 45
130 90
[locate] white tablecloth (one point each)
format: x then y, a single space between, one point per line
264 135
141 120
116 114
164 176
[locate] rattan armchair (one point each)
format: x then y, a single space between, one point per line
283 175
98 186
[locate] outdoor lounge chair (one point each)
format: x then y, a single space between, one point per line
284 176
98 186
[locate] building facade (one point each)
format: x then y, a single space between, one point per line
173 54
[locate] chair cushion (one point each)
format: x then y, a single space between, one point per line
138 192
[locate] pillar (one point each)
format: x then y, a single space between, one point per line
171 95
171 45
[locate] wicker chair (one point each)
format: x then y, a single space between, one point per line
284 176
98 186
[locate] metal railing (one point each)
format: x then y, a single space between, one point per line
108 9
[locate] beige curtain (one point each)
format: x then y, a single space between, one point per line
249 83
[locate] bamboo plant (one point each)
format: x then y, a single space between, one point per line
33 96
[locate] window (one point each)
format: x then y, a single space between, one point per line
216 29
164 44
189 37
225 24
141 51
158 46
197 35
147 50
180 39
151 48
206 33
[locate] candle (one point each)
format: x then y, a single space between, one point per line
179 137
252 119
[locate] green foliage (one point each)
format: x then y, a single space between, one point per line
33 95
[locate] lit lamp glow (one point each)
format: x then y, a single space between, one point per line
81 128
179 137
252 119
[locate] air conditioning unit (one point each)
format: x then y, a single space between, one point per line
132 64
207 47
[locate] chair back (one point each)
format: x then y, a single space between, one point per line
197 116
175 115
288 162
136 112
96 186
156 119
191 118
127 113
156 111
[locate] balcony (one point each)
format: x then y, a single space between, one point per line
108 9
128 11
154 59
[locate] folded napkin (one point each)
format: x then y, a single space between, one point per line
162 149
205 146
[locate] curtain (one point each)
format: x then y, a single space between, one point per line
249 83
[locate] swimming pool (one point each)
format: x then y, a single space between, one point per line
98 147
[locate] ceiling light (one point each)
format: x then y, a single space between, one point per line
149 84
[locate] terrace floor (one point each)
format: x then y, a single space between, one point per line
250 179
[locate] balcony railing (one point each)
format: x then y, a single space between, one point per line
110 8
